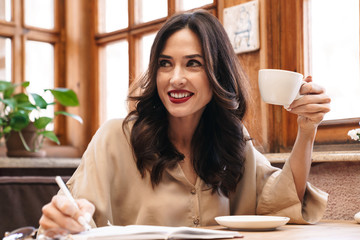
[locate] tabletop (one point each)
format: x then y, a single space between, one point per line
329 230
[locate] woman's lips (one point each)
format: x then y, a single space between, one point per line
179 96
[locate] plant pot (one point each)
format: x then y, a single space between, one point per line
15 147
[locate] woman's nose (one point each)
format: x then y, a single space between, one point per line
178 78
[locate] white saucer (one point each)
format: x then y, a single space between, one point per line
252 222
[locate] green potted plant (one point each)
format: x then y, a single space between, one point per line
21 120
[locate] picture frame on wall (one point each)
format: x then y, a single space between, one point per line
241 23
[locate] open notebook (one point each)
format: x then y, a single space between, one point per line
153 232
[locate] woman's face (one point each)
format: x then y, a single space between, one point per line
182 83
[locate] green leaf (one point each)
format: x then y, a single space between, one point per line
26 106
39 101
21 98
9 102
76 117
7 129
65 97
8 92
19 120
8 88
25 84
42 122
50 135
4 85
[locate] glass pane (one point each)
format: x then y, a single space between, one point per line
335 54
112 15
39 13
5 59
39 71
115 81
151 10
5 10
190 4
146 42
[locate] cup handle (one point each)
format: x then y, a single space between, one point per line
298 96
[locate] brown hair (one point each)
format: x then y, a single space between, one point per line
218 142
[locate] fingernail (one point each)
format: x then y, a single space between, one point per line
87 217
82 221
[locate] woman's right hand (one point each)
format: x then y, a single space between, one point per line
61 213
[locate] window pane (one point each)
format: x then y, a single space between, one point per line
39 13
146 43
5 59
5 10
190 4
115 81
335 54
39 71
151 10
112 14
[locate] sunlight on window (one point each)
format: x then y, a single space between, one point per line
5 59
39 71
5 10
146 43
151 10
335 54
191 4
114 86
39 13
113 15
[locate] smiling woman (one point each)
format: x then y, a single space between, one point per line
183 155
182 83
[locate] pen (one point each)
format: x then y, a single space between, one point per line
67 193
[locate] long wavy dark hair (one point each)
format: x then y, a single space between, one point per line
218 142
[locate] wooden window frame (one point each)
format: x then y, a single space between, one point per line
17 30
287 47
135 30
283 42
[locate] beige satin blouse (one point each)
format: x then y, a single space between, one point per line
109 178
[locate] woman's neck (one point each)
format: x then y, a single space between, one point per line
181 131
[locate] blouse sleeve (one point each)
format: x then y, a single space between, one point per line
94 178
276 194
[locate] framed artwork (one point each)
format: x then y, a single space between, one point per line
241 23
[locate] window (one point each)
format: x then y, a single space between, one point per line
114 59
184 5
335 54
145 11
39 13
5 10
125 32
5 59
39 71
332 56
99 47
31 47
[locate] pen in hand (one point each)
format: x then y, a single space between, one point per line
67 193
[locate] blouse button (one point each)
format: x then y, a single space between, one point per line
196 221
193 191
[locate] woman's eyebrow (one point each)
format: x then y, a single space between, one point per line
187 56
194 56
164 56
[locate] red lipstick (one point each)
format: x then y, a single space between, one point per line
179 96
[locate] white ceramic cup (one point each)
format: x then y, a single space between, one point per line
280 87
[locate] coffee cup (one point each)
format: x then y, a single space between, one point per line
280 87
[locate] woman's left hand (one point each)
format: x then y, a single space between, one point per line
312 107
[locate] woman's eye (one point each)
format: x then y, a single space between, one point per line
164 63
194 63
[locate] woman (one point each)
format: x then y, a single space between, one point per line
183 156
